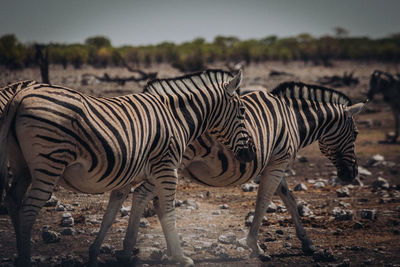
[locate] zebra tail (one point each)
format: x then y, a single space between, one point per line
5 125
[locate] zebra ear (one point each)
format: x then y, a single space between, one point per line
355 109
234 83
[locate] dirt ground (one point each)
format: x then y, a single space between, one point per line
354 242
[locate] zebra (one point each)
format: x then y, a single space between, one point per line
289 118
389 87
52 134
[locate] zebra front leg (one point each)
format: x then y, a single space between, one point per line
270 179
117 197
166 183
291 204
40 192
141 196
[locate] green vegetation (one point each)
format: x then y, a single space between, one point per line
197 54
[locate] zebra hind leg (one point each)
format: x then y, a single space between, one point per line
40 192
290 203
141 196
117 197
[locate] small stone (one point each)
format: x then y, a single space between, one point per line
156 254
50 236
325 255
242 243
269 237
201 196
67 220
300 187
279 232
178 202
52 202
363 171
374 159
60 208
289 237
228 238
216 212
249 187
368 214
271 207
124 211
144 223
343 192
341 214
357 225
319 185
287 245
381 183
224 206
303 209
190 204
105 249
68 231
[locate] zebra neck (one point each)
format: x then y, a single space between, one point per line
314 119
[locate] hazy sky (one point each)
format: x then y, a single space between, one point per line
153 21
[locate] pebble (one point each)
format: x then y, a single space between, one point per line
269 237
363 171
341 214
229 238
343 192
124 211
52 202
319 185
249 187
60 207
381 183
224 206
144 223
300 187
50 236
216 212
68 231
375 159
325 255
303 209
287 245
190 204
242 243
368 214
271 207
67 220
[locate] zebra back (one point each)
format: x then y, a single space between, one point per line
7 92
208 78
299 90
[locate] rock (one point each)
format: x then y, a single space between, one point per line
302 159
269 237
216 212
249 187
224 206
242 243
68 231
281 208
50 236
228 238
287 245
289 237
325 255
271 207
375 159
105 249
381 183
156 254
67 220
343 192
124 211
357 225
368 214
60 207
363 171
300 187
144 223
319 185
52 202
249 220
201 196
190 204
341 214
178 202
303 209
279 232
290 172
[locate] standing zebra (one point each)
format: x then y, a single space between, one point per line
389 87
88 144
281 123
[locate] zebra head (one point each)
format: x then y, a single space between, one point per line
230 128
378 82
337 144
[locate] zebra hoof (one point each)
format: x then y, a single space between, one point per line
308 249
264 257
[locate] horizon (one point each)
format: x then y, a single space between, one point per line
151 22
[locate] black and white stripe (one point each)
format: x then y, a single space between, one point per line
93 145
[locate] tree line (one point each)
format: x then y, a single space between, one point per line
195 55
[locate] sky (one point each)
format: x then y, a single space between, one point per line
143 22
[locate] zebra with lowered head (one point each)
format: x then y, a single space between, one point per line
51 135
291 117
387 85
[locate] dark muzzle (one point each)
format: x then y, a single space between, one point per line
348 173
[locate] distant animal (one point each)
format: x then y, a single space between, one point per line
387 85
291 117
52 134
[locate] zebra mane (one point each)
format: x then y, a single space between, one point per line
200 79
299 90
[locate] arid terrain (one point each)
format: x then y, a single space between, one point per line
365 231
